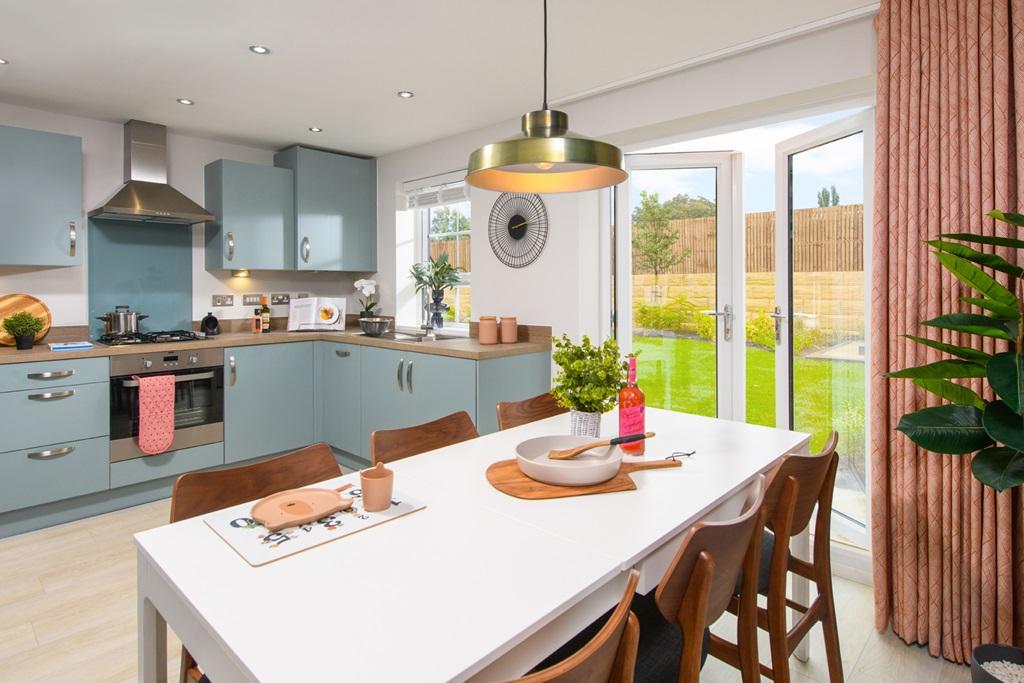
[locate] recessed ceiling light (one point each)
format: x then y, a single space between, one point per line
314 129
259 49
3 61
186 101
406 94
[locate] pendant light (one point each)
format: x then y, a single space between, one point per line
547 157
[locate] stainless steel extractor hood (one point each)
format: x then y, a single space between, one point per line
145 195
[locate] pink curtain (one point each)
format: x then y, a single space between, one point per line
948 553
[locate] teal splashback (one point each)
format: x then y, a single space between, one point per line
147 266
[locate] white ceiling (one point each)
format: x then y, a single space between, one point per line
338 63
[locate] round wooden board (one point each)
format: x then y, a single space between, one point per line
506 476
15 303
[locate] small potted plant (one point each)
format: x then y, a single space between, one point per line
368 288
588 381
436 275
23 327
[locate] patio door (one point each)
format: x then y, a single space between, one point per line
679 275
823 184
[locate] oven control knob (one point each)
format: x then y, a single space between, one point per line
146 363
193 359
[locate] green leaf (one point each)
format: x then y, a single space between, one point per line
946 429
972 275
1008 217
993 261
942 369
960 351
972 323
985 239
951 391
1004 425
998 467
999 310
1006 375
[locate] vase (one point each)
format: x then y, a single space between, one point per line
437 308
584 424
24 341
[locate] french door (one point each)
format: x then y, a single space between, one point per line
680 298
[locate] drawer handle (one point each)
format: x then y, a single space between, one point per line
342 354
52 453
52 395
54 374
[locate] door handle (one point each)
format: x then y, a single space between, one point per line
52 395
72 238
401 363
305 249
408 377
230 247
53 374
233 369
778 316
726 315
342 354
52 453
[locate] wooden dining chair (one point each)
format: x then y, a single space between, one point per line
801 488
197 493
388 445
610 656
514 413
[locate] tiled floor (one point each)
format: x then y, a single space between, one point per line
67 613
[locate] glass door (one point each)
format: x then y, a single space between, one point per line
823 210
680 282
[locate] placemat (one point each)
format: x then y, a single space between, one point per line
506 476
258 546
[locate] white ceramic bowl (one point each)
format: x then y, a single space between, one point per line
589 467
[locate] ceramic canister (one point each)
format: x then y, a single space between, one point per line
488 331
509 329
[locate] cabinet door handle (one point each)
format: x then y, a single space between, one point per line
52 453
52 395
53 374
234 371
342 354
72 237
408 377
305 249
231 247
401 362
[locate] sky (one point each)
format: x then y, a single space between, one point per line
838 163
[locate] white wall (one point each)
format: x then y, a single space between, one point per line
64 290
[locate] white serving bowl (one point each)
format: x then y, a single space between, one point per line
590 467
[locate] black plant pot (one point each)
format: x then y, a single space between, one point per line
993 653
25 341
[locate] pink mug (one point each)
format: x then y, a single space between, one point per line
377 483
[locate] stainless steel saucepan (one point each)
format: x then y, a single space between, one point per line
122 320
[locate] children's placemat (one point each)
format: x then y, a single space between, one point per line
258 546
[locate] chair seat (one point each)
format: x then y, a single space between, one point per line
764 568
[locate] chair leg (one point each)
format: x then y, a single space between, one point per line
777 635
831 632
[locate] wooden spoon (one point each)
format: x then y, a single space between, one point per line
567 453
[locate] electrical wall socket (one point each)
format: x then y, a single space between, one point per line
252 299
302 295
223 300
279 299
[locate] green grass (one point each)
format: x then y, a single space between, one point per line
679 374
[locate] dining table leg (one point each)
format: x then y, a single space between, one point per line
152 637
800 546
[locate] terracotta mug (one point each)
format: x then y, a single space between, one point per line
378 483
488 329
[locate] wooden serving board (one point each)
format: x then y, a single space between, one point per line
16 303
506 476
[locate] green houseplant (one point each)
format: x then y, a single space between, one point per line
436 275
992 429
23 326
588 381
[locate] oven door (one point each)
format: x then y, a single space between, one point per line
198 412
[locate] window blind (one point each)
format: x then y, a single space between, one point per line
448 188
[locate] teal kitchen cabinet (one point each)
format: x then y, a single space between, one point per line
385 403
268 399
40 198
339 409
255 216
335 209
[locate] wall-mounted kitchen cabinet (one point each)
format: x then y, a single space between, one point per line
335 210
40 198
255 209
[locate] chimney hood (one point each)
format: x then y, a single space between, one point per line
145 195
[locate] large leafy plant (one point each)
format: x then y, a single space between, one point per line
991 429
436 274
590 376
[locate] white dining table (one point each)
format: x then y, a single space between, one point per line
477 586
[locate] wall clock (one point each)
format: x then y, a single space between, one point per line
518 228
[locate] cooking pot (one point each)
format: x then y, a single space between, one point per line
121 321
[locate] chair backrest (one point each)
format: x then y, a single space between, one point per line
609 656
811 474
197 493
388 445
514 413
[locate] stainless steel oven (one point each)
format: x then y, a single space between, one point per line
198 398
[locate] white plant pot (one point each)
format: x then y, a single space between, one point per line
584 424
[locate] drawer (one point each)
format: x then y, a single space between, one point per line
55 373
62 470
166 464
46 416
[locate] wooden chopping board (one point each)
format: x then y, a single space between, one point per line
506 476
15 303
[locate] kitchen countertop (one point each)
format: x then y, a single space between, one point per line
468 347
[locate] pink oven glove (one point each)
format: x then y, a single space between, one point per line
156 413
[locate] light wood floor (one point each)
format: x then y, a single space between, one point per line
67 613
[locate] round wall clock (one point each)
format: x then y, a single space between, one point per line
518 228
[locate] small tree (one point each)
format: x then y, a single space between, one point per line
835 196
654 240
447 220
828 197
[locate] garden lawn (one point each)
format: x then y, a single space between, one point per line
679 374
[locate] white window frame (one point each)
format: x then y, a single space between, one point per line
422 228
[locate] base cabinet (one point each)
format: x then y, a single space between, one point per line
339 395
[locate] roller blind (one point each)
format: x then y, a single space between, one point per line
448 188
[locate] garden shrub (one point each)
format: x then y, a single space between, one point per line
677 315
707 326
